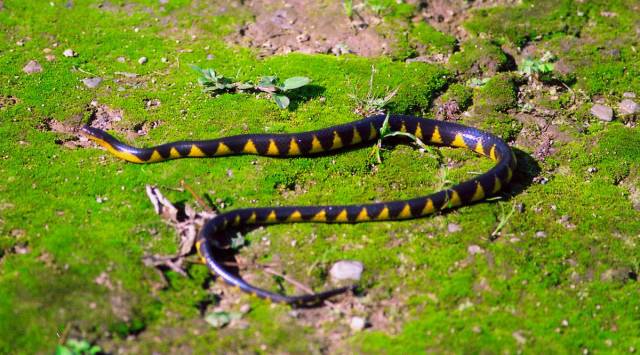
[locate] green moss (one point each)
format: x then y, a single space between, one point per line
424 35
459 93
498 94
529 20
502 125
478 57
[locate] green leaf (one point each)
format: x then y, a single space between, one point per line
281 100
267 82
295 82
63 350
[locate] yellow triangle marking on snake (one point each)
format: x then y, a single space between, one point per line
363 215
479 194
384 214
509 174
406 212
155 156
293 147
497 185
418 132
271 217
295 216
273 148
236 221
320 216
337 141
252 218
435 137
196 152
403 127
492 153
428 208
454 199
356 136
249 147
222 149
458 141
174 153
342 216
373 132
315 145
480 147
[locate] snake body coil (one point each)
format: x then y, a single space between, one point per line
321 142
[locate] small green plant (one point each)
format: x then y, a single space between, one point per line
77 347
348 7
215 83
372 104
503 219
385 131
536 68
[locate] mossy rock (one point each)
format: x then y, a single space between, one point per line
478 57
502 125
459 93
429 40
498 94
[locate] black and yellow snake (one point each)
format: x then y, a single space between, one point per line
321 142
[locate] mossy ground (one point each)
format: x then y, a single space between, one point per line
545 284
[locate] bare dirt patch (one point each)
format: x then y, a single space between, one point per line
6 101
310 27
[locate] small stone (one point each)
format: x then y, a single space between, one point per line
628 107
121 59
592 169
47 50
245 308
346 270
629 95
621 274
164 60
474 249
50 57
92 83
210 56
143 60
541 234
565 323
69 53
32 67
453 228
358 323
602 112
519 337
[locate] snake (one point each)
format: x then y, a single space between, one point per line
321 142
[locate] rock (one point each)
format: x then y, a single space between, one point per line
629 95
92 83
50 57
143 60
602 112
69 53
346 270
32 67
210 56
164 60
357 323
453 228
121 59
621 274
541 234
474 249
628 107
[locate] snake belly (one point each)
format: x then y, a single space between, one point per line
324 141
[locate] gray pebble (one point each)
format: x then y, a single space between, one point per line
210 56
358 323
628 107
541 234
346 270
69 53
453 228
474 249
602 112
32 67
164 60
121 59
92 83
621 274
629 95
143 60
